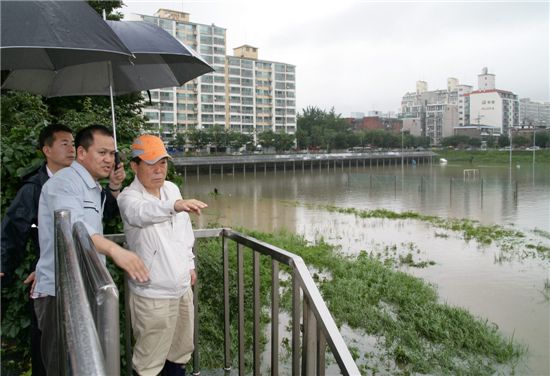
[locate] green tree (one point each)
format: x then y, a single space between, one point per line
284 141
267 139
238 140
542 139
474 142
198 138
218 137
503 141
321 129
521 140
23 115
456 141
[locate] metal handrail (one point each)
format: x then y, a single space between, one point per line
79 347
319 326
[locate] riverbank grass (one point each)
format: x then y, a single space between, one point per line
418 333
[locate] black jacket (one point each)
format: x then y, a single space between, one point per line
21 220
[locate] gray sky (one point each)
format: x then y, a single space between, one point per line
358 56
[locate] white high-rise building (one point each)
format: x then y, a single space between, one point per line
243 94
491 106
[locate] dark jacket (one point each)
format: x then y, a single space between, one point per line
21 222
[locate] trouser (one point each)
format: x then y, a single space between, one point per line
36 336
46 315
163 330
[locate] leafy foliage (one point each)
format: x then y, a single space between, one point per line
278 141
217 137
319 128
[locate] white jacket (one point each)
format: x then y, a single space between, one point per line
162 238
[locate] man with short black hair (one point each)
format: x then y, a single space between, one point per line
20 222
77 189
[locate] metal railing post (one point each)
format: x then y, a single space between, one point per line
227 328
240 293
274 317
295 321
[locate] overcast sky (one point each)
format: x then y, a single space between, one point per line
359 56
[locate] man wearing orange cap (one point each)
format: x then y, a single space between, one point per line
158 227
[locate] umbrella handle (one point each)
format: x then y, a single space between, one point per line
117 159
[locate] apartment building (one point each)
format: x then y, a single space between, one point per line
243 94
534 114
435 113
262 94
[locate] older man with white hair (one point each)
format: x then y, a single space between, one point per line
158 228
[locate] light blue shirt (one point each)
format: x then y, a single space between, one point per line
74 189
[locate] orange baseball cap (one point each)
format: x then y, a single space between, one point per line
149 149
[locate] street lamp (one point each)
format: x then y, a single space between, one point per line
401 145
534 143
510 136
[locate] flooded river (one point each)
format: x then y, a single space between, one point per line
511 292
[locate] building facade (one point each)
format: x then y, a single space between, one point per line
378 122
243 94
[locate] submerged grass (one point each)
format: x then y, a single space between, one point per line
510 241
417 334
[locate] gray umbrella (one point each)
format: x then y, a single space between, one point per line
160 61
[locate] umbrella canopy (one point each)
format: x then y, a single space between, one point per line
160 61
52 35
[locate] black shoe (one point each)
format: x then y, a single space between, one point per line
173 369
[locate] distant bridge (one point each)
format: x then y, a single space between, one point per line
295 162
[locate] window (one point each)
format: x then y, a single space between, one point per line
206 49
204 29
167 116
166 96
206 39
247 64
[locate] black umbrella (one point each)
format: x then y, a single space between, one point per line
160 61
52 35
